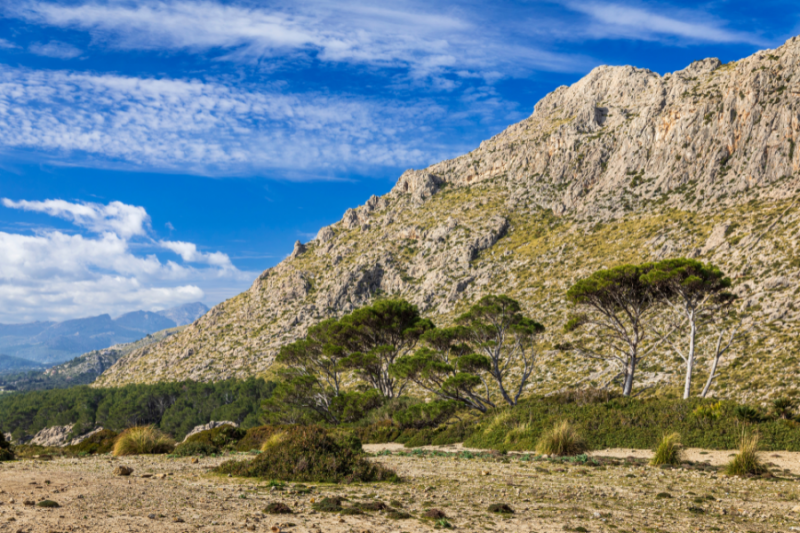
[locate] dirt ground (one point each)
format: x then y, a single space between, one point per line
621 495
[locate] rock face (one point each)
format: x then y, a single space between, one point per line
52 436
624 165
211 425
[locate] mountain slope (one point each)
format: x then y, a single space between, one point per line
623 166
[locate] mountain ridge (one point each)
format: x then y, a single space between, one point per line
56 342
625 165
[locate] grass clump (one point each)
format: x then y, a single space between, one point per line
277 508
210 442
500 508
398 515
309 454
254 438
746 462
668 451
142 440
48 504
663 496
563 439
329 505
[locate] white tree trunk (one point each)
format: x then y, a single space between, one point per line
687 386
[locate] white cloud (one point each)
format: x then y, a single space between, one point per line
4 43
189 253
211 127
121 219
622 21
55 49
55 275
406 35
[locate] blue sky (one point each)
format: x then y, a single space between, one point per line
159 152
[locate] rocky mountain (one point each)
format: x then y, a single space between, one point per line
625 165
55 342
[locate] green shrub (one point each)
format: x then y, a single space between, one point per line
210 442
5 449
500 508
309 454
48 504
747 413
142 440
628 423
746 462
668 451
100 443
425 415
277 508
254 438
783 408
562 440
353 406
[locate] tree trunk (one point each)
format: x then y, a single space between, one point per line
711 376
687 386
630 369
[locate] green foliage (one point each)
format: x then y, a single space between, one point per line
352 406
255 437
747 462
668 451
175 408
210 442
48 504
100 443
561 440
277 508
783 408
629 423
426 415
747 413
309 454
500 508
142 440
5 449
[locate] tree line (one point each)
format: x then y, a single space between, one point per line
622 316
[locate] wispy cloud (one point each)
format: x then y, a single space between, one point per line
212 127
5 43
54 274
55 49
633 21
404 35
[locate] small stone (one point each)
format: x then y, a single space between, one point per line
29 503
178 520
123 471
151 516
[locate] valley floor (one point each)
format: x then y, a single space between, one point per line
621 495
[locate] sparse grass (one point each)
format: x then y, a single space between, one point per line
563 439
746 462
668 451
140 440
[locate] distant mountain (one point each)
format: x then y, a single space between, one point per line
55 342
15 364
82 370
185 314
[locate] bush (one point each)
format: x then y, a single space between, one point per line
746 413
5 449
254 438
99 443
668 451
561 440
746 462
353 406
630 423
309 454
209 442
141 440
425 415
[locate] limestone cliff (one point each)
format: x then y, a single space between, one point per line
624 165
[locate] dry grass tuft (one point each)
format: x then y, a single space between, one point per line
562 440
668 451
746 461
140 440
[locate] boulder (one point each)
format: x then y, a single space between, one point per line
211 425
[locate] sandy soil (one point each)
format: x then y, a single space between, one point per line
546 496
